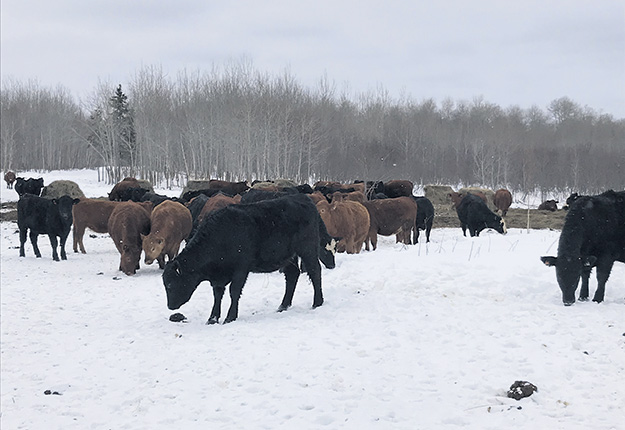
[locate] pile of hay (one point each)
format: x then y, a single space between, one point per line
438 194
195 186
56 189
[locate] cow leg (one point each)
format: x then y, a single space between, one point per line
584 291
33 241
23 234
78 234
291 274
464 229
63 241
236 287
314 273
374 241
603 273
54 243
218 294
161 261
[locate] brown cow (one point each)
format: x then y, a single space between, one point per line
348 220
549 205
502 200
398 188
170 224
391 216
92 213
9 177
216 202
128 221
354 196
228 187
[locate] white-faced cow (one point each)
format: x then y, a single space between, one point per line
258 237
45 216
593 236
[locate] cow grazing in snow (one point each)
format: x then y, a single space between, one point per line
170 224
45 216
128 221
593 236
475 215
240 239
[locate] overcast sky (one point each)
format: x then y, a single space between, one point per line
525 52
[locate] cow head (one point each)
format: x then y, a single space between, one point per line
64 205
568 272
179 284
129 261
153 247
326 253
497 223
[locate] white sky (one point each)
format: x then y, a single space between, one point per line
521 53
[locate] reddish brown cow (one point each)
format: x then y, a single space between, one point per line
120 187
391 216
170 224
348 220
228 187
92 213
9 178
354 196
502 200
128 221
549 205
398 188
216 202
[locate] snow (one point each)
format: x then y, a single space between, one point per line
429 336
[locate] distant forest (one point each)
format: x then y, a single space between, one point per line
237 123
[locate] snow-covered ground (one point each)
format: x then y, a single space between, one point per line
429 336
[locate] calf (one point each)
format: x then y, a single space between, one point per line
128 221
348 220
28 186
502 200
593 236
43 216
9 178
475 215
391 216
548 205
170 224
425 217
259 237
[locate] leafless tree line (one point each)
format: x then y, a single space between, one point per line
237 123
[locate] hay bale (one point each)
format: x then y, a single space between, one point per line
438 194
490 195
56 189
146 185
284 183
195 186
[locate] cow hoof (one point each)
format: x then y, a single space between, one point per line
583 299
568 303
212 320
282 308
229 320
597 300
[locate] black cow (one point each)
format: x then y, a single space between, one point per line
475 215
157 199
134 194
253 195
425 217
259 238
28 186
44 216
593 236
570 200
190 195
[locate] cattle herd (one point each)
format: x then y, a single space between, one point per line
231 229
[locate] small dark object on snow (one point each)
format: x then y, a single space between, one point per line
177 317
48 392
521 389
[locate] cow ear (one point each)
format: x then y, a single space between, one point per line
589 261
142 236
549 261
75 201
